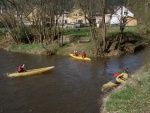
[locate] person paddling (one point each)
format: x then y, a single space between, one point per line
83 54
76 53
21 68
126 70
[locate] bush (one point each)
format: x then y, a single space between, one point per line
24 36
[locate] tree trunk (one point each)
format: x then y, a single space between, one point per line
104 25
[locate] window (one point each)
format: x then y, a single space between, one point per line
80 21
65 21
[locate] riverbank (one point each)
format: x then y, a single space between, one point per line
133 96
53 49
35 48
79 39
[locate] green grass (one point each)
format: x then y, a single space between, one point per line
131 97
87 47
78 33
85 32
34 48
116 30
81 32
30 48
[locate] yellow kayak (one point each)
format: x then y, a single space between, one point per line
79 57
31 72
115 82
122 77
109 85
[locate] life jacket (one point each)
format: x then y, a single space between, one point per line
116 74
76 53
83 55
20 69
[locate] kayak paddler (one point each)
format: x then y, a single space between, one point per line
83 54
21 68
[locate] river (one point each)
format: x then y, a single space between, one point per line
73 86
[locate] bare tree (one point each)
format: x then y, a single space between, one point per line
142 8
88 8
147 15
103 10
122 16
14 11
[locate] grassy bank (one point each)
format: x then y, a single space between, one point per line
34 48
76 33
27 48
80 32
131 97
88 47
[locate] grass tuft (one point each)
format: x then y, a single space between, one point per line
131 97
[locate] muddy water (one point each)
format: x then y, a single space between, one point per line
72 87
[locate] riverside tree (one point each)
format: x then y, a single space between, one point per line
89 8
33 20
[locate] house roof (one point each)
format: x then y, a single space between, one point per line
121 12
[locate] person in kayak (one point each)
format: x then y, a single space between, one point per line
21 68
76 53
83 54
126 71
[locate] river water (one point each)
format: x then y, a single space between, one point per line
73 86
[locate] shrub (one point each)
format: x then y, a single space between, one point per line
24 36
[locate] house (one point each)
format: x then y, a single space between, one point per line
63 18
122 12
75 18
99 19
32 16
131 21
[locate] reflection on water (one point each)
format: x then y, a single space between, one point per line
72 87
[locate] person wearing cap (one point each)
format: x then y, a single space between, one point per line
21 68
76 53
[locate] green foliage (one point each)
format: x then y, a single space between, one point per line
54 48
133 96
116 30
81 32
87 47
1 25
129 32
2 31
34 48
23 35
30 48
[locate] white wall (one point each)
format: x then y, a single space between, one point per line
115 19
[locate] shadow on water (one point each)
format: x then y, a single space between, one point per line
74 86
